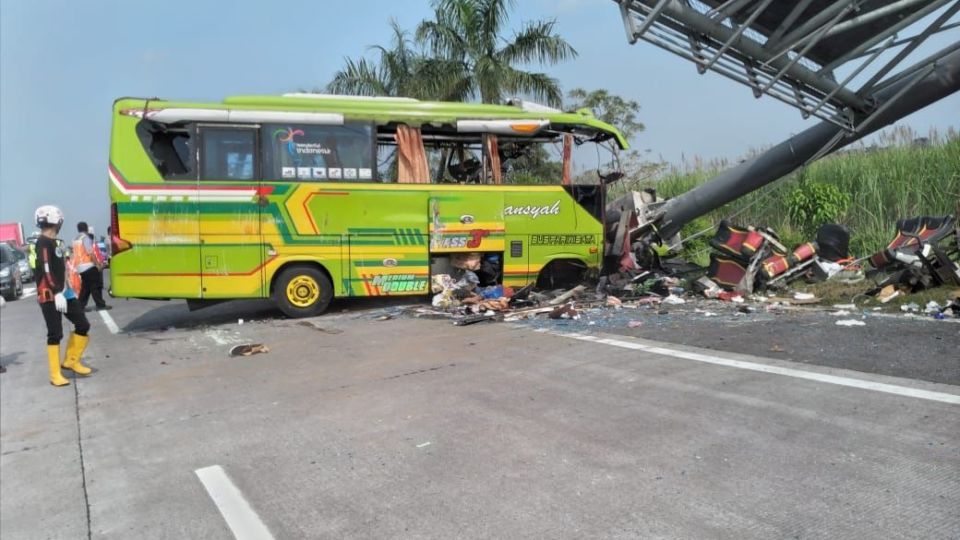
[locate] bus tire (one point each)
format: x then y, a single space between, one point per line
302 291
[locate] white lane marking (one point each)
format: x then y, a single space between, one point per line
108 320
800 374
27 293
239 515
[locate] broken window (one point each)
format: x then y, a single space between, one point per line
170 147
452 157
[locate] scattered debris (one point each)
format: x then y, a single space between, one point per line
916 259
525 313
746 259
749 267
473 319
387 317
793 300
728 296
249 349
887 294
309 324
912 307
572 293
566 311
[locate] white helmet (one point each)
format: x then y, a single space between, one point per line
48 215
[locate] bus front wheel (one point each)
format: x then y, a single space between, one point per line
302 291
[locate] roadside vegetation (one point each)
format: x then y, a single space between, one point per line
866 188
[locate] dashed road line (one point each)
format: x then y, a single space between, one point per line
239 515
777 370
108 320
31 291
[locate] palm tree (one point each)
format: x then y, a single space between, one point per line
397 73
476 60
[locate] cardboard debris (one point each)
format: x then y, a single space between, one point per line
249 349
887 294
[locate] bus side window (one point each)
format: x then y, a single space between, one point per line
227 153
171 149
319 152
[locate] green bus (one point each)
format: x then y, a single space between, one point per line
305 197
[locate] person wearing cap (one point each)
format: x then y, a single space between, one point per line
89 265
58 299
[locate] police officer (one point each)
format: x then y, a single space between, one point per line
57 298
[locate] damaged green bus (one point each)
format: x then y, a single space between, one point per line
305 197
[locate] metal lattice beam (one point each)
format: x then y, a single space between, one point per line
790 51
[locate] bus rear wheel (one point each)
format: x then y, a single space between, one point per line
302 291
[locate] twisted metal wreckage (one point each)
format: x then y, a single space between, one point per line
793 51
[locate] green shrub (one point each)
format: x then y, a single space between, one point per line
811 204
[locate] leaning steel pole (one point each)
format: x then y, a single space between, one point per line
919 87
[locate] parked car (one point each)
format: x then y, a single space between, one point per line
23 261
11 282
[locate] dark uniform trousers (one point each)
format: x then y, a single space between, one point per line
55 322
92 284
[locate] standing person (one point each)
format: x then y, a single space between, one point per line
57 299
98 256
89 266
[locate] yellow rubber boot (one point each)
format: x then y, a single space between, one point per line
53 361
75 347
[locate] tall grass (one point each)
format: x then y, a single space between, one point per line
903 175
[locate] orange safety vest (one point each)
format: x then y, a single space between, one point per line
80 255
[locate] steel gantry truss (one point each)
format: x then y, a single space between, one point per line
793 51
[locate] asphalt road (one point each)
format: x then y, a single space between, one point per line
353 427
909 346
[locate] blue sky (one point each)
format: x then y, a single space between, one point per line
62 63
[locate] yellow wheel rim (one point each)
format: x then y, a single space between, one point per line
303 291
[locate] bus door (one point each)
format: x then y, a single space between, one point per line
387 241
468 219
231 245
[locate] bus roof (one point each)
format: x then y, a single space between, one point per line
393 109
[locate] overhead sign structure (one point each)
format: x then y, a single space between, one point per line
824 57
